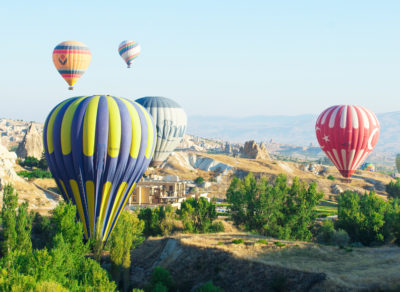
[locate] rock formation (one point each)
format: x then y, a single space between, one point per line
7 162
228 148
254 151
32 144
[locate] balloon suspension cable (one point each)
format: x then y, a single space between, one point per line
129 65
71 88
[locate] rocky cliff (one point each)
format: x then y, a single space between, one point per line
254 151
32 143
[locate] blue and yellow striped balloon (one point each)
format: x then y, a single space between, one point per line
97 148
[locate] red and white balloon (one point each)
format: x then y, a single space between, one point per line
347 134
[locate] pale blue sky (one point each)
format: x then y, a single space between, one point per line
232 58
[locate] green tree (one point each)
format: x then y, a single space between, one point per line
127 233
363 217
198 181
9 222
198 215
30 161
42 164
158 221
23 229
280 210
393 189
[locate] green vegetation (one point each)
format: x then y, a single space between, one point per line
209 287
157 221
328 235
393 189
237 241
60 265
326 208
198 216
278 210
262 241
198 181
279 244
127 233
31 161
369 219
330 177
160 280
36 173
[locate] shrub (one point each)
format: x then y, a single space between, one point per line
393 189
209 287
331 177
36 173
198 181
262 241
278 210
328 235
198 216
279 244
237 241
368 219
158 221
160 280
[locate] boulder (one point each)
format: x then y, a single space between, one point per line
32 143
254 151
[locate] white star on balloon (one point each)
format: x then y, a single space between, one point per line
325 138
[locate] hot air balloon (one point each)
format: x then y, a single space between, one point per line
347 134
97 148
170 120
71 59
367 166
129 51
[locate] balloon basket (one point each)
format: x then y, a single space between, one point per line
71 88
129 65
346 180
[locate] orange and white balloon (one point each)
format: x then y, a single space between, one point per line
71 59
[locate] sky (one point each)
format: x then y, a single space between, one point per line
225 58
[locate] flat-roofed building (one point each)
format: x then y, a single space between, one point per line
160 191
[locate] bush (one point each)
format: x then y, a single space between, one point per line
328 235
36 173
198 216
393 189
209 287
158 221
198 181
30 161
237 241
331 177
160 280
368 219
279 210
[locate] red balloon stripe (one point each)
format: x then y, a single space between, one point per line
347 134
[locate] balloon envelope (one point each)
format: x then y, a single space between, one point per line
71 59
170 120
97 148
129 51
347 134
367 166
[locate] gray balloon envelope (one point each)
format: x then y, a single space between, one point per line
170 120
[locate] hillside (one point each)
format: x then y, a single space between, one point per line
218 169
297 266
294 130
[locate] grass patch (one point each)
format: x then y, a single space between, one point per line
237 241
262 241
279 244
220 243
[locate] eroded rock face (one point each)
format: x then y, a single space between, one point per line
32 144
7 162
254 151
